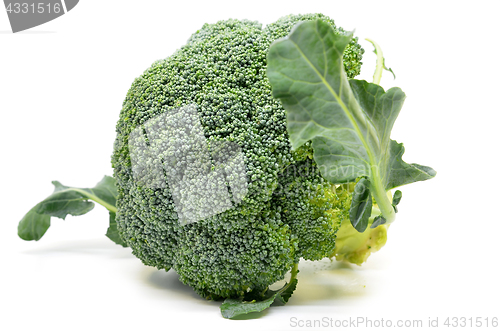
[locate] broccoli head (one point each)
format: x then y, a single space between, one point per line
288 210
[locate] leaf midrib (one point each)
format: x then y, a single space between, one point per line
340 102
108 206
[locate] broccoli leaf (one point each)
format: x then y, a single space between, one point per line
33 225
349 122
396 199
287 292
112 232
66 201
361 205
235 307
379 220
232 308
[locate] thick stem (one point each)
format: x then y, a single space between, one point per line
103 203
382 200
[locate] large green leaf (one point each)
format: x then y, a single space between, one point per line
349 122
74 201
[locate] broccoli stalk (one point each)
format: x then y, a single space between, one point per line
351 245
354 246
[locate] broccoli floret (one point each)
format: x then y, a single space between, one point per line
352 54
222 70
313 208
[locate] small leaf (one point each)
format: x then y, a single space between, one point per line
235 307
390 70
112 232
396 199
402 173
361 205
379 220
66 201
33 225
285 295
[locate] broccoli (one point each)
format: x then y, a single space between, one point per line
222 69
289 156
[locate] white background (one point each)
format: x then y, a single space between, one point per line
61 89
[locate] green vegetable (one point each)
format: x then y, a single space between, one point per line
348 121
283 217
314 155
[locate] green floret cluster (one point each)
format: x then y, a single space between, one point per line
313 209
285 215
